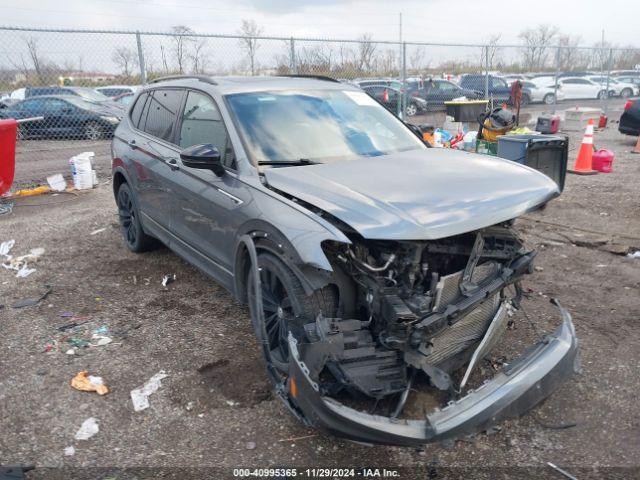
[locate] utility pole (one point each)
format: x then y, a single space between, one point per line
400 93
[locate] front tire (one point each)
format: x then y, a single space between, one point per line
134 236
285 308
525 100
549 99
411 110
602 94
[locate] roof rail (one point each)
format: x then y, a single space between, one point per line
202 78
315 77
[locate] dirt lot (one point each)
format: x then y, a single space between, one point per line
215 410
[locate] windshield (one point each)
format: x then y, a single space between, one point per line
317 126
91 95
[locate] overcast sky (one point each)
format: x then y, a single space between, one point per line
458 21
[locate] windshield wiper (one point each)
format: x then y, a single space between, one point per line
300 161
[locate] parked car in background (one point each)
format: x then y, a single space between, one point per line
498 88
124 99
16 95
366 258
388 96
65 116
616 88
630 118
369 82
113 91
437 91
86 93
579 88
542 93
625 73
633 80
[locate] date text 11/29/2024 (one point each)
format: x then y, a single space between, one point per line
316 472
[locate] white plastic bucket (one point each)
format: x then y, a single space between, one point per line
81 172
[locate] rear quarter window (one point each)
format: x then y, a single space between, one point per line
136 111
162 106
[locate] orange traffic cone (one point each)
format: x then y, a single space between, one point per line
636 149
583 162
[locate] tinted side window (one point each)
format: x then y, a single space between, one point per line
202 123
32 106
162 109
137 110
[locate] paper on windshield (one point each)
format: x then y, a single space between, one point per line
360 98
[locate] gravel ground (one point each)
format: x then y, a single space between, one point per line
215 410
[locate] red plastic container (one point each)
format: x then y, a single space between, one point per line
8 131
602 160
602 122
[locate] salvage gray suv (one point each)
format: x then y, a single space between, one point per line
372 264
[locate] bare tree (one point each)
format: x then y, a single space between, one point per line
569 55
198 55
125 59
366 53
492 49
163 55
416 58
32 47
536 42
180 38
249 43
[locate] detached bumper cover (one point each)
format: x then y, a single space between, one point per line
517 388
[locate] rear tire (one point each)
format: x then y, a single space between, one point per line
134 236
549 99
626 93
285 307
525 100
93 131
602 94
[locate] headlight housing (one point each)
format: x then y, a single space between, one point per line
111 120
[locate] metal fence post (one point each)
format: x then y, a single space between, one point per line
606 97
143 71
486 73
555 85
292 56
403 106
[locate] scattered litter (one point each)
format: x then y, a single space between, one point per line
99 230
88 429
293 439
30 302
57 182
71 351
89 383
101 330
69 451
82 171
66 314
250 446
231 403
6 208
31 192
167 279
140 396
100 340
561 471
5 247
20 264
635 254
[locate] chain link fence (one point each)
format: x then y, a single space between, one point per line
61 75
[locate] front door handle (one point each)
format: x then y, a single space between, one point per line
173 164
132 144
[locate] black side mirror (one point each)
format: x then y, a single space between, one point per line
204 156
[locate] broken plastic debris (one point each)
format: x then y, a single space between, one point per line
97 231
57 183
5 247
69 451
20 264
88 429
100 340
30 302
635 254
140 396
167 279
89 383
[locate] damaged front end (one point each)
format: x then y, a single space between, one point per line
429 311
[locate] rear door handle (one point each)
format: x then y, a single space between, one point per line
132 144
173 164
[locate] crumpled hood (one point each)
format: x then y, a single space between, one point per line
425 194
